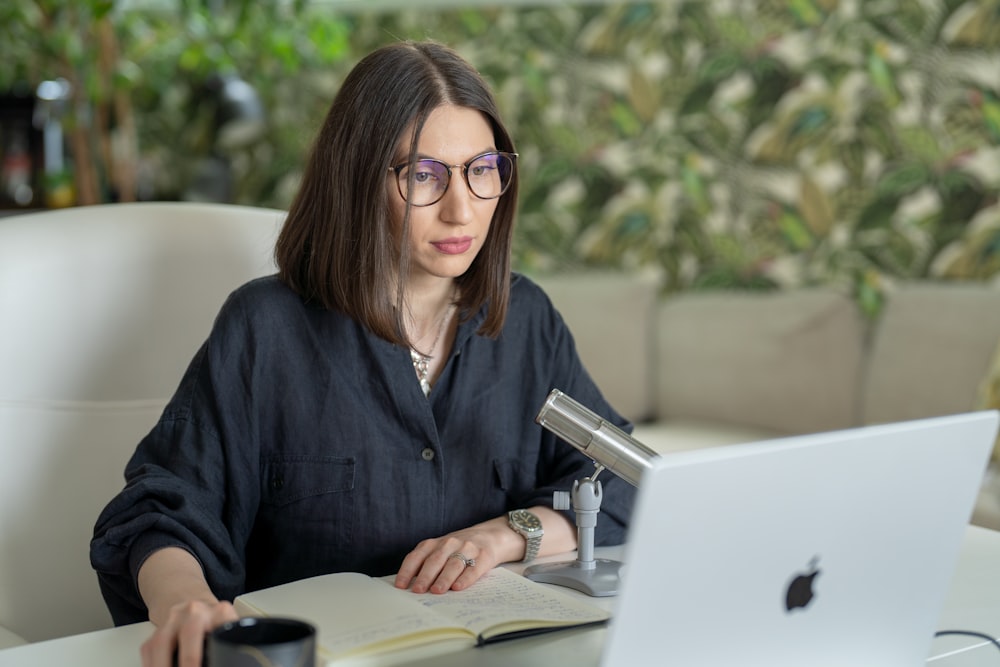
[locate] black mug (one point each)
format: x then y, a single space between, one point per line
262 642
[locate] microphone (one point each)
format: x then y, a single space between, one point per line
608 447
600 440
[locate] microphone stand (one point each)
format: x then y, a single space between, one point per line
597 577
609 448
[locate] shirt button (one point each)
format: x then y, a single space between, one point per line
427 454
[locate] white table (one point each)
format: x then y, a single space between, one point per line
973 603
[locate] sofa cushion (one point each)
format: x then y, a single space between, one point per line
611 318
931 350
785 362
9 640
63 461
112 301
678 435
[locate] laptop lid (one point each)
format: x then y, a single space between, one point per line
828 549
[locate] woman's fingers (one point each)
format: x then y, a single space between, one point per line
442 564
184 634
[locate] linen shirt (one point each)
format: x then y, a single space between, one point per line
299 443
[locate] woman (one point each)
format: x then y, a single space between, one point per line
371 407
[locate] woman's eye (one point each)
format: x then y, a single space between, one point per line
482 169
428 173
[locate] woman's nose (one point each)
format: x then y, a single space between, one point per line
456 205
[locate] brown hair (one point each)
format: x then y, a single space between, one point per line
337 248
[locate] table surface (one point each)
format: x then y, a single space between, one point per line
973 603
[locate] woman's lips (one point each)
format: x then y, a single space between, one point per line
453 246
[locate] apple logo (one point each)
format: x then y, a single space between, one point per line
800 588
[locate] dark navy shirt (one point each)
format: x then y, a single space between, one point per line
299 443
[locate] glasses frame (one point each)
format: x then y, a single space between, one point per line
465 175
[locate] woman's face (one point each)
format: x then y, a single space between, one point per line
446 236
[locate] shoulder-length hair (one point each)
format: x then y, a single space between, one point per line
337 248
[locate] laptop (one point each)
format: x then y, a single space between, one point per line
828 549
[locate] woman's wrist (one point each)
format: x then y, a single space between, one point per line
169 577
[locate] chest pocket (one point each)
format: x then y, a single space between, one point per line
292 479
305 521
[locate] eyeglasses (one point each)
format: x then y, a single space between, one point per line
425 181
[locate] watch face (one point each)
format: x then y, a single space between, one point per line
526 520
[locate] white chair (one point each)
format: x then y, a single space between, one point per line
101 309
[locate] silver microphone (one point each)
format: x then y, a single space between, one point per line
605 444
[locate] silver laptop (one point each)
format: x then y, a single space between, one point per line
828 549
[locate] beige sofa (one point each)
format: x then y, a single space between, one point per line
702 369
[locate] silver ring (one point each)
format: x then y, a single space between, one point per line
469 562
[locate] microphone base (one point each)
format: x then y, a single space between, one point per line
597 578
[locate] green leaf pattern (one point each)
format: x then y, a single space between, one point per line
719 143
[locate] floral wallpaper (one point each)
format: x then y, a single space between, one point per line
745 143
715 143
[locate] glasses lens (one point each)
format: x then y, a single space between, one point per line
429 181
490 174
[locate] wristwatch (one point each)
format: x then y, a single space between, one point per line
529 526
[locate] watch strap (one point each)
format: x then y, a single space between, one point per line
531 547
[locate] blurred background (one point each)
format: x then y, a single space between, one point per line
716 143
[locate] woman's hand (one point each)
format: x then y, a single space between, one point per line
184 631
181 606
435 564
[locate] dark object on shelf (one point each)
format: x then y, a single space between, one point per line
20 152
238 121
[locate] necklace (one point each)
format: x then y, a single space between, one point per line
421 360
